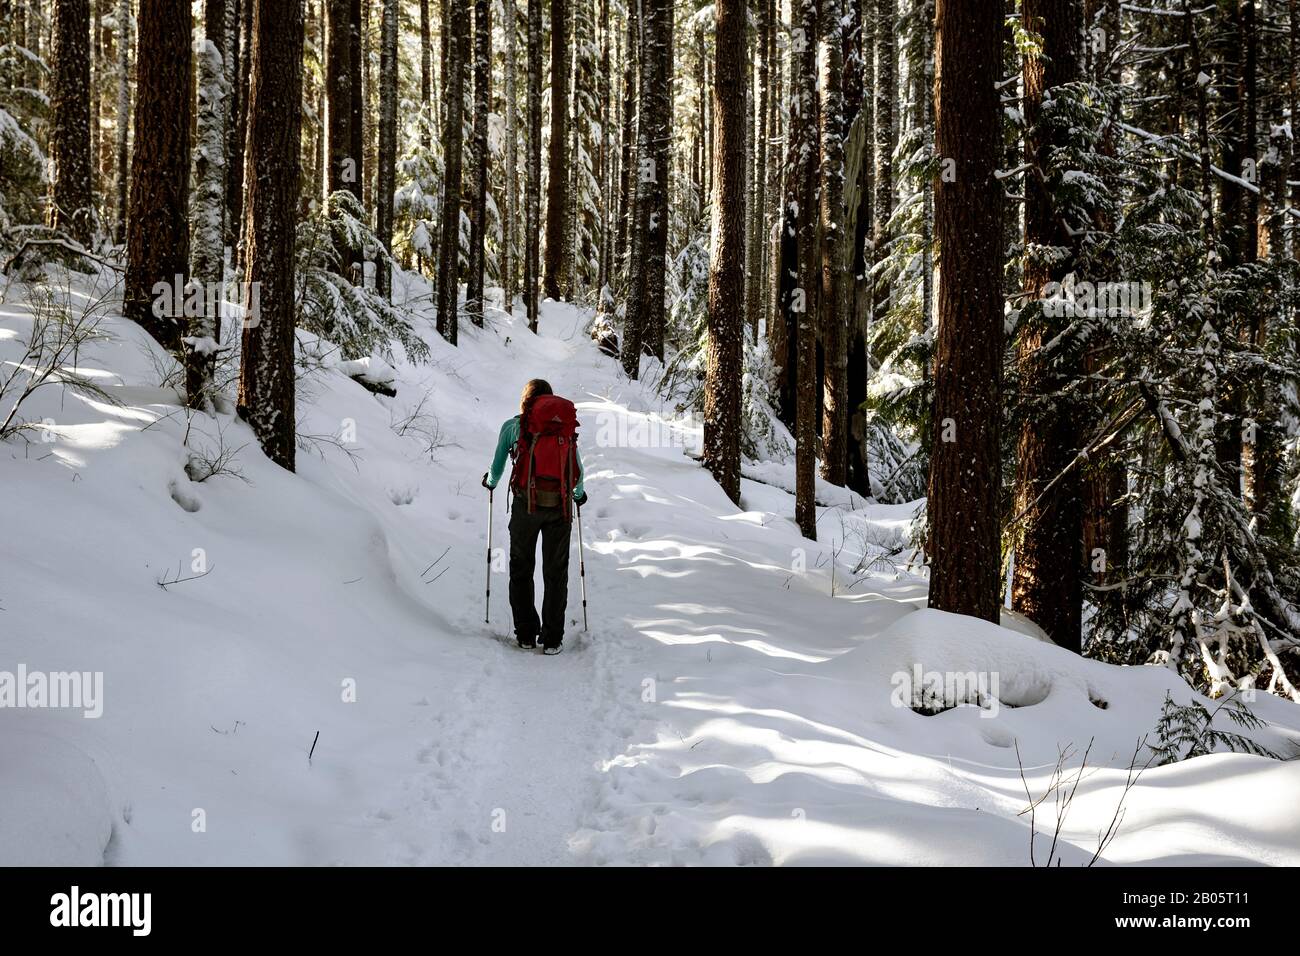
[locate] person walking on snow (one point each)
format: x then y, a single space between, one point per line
547 484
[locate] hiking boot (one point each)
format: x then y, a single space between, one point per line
527 643
552 649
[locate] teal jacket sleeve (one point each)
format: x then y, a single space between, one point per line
577 489
505 441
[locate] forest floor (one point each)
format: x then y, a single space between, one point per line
734 700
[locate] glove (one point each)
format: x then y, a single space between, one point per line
485 482
580 501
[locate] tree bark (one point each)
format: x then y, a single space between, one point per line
344 169
627 165
122 163
386 178
533 163
604 159
834 302
656 267
239 135
266 375
756 232
510 175
97 53
360 66
1047 586
158 241
967 411
557 186
886 130
1259 454
860 72
426 79
209 234
726 315
71 208
1105 487
773 318
804 85
453 133
479 141
236 95
645 280
343 135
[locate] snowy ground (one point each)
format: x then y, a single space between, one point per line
724 707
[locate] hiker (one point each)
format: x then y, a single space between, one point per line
547 485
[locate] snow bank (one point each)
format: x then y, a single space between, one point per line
56 809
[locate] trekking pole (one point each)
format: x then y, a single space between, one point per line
582 570
487 603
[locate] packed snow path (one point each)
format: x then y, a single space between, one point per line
725 706
513 766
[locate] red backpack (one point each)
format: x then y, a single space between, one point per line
546 454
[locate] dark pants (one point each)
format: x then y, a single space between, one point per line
554 529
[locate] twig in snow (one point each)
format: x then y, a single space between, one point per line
165 584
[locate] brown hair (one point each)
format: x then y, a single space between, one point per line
536 388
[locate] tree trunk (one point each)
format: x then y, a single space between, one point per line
99 35
313 163
449 247
726 315
357 49
342 87
804 86
557 186
232 61
386 178
1105 506
266 374
158 241
783 331
1260 489
656 268
239 136
509 179
342 171
121 147
773 169
627 166
857 469
967 412
604 159
533 163
444 56
1047 585
71 208
756 233
426 79
886 130
209 235
835 287
35 26
649 174
479 141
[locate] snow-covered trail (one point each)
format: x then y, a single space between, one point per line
516 762
512 764
733 702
